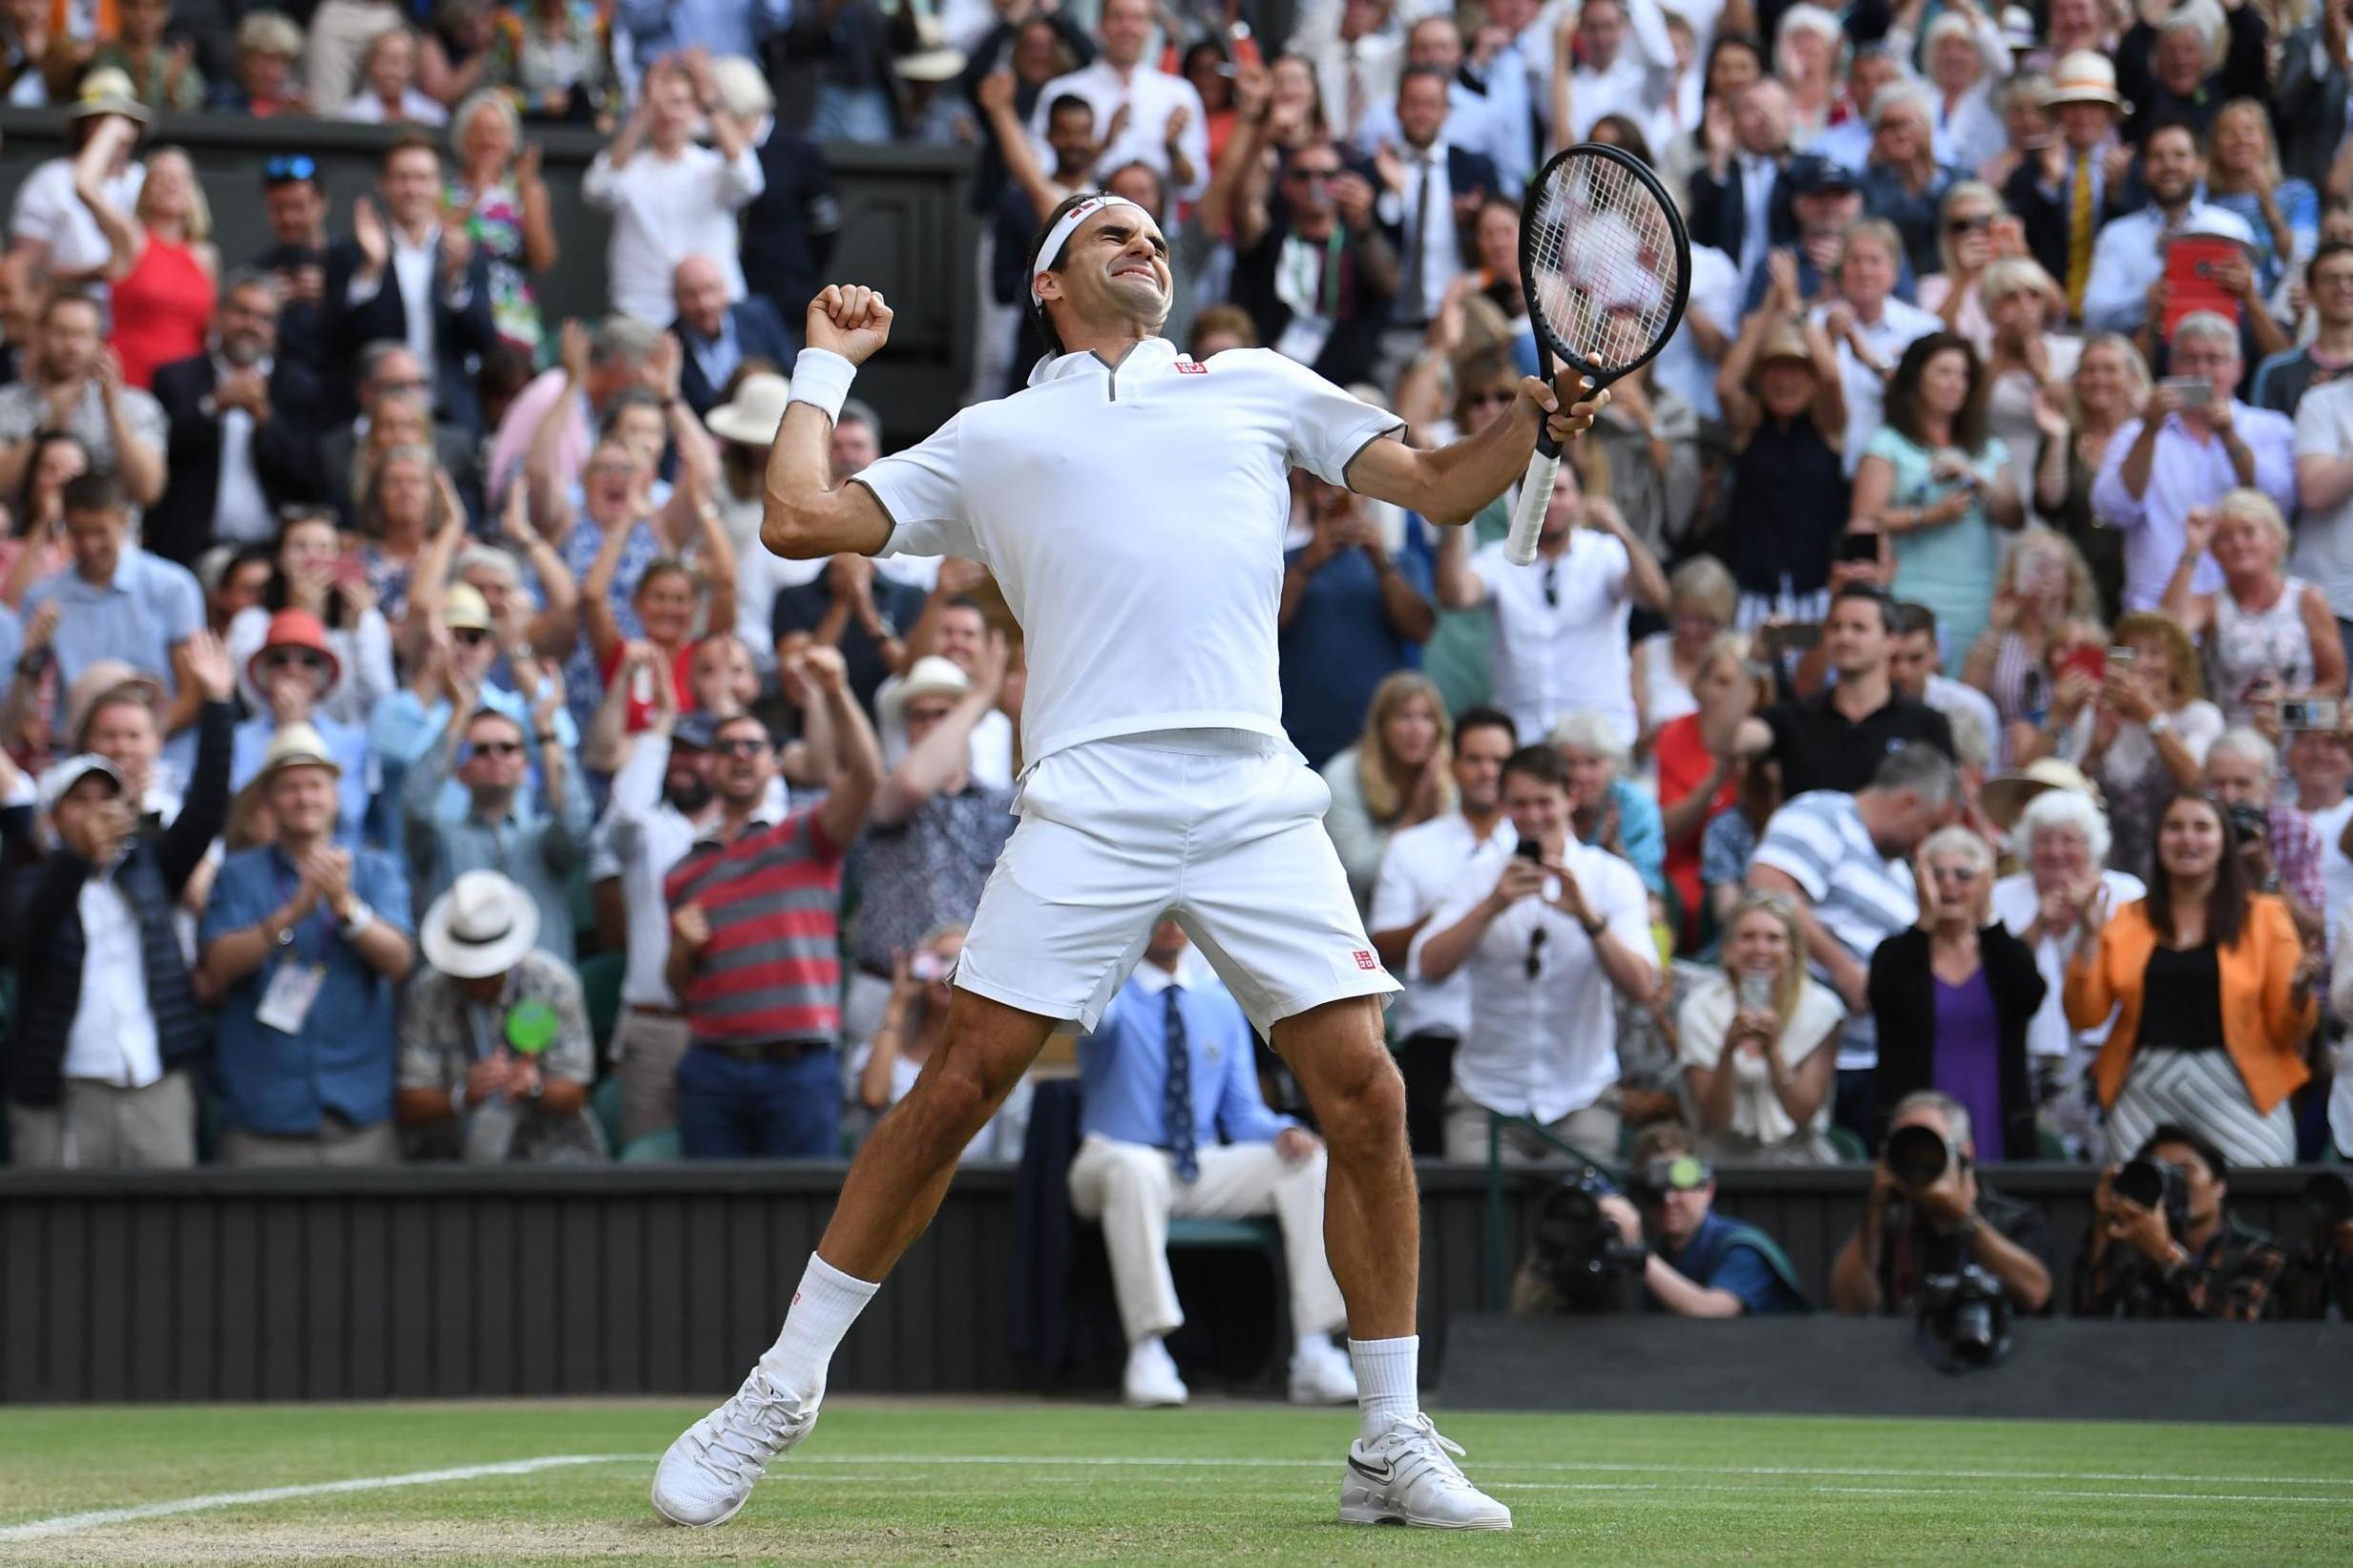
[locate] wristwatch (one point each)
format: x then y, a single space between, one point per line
357 921
2159 723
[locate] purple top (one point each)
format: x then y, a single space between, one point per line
1968 1057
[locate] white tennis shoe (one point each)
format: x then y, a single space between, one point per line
1321 1375
1407 1475
709 1473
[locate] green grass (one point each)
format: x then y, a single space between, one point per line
1021 1484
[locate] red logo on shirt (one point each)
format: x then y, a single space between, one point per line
1187 367
1365 961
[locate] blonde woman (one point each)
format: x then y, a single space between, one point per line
165 270
2266 635
2243 176
2023 356
1965 243
1701 601
2043 583
1759 1041
1398 774
2074 424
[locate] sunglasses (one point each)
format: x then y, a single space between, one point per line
470 637
288 167
1311 177
301 658
1979 224
1501 394
742 746
498 748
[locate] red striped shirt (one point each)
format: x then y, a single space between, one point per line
772 968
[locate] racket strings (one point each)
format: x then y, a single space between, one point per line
1602 261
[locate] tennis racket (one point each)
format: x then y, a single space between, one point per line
1606 267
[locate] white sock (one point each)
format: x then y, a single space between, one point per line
1387 1377
823 1308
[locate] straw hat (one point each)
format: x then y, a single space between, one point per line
99 677
297 746
481 926
931 677
751 417
464 609
108 91
934 60
2004 797
2085 77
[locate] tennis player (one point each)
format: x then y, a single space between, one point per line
1131 503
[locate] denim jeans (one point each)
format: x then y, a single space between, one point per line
732 1109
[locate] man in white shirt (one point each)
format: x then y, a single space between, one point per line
1437 42
669 198
1421 870
959 634
1132 506
1870 327
1355 54
1549 945
2179 455
1616 73
2324 492
1162 124
1510 59
1560 624
49 224
2127 261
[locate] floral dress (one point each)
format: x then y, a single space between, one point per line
496 228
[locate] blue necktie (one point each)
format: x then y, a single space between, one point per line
1176 1101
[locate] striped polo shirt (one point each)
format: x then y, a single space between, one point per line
1860 896
772 968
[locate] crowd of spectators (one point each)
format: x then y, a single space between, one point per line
1928 704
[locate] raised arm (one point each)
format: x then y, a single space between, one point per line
1451 484
858 769
803 516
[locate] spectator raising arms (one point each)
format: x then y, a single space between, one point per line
2267 636
2213 993
669 198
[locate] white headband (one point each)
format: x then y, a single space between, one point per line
1067 225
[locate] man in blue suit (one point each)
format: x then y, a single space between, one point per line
717 336
1173 1123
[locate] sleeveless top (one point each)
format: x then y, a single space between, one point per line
162 309
2244 645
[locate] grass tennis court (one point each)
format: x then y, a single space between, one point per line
1220 1483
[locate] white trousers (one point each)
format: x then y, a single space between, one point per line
1133 1189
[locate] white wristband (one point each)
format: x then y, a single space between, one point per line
821 378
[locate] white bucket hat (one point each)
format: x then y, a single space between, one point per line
481 926
751 417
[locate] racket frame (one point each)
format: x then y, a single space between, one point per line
1536 490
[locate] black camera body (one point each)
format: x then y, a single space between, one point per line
1576 1261
2153 1184
1965 1320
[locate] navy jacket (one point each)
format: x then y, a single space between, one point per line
461 336
791 226
285 450
759 334
49 944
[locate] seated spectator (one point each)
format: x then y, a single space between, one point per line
1354 613
1908 1233
1173 1124
763 1078
1699 772
244 442
311 577
164 273
1758 1043
2282 380
2279 844
1838 738
1397 776
669 196
1951 999
388 93
265 84
1940 485
303 945
1560 642
233 578
2267 636
404 279
537 849
74 385
1784 405
2181 67
554 59
1700 1264
935 831
1548 943
913 1029
2126 284
2061 836
294 675
453 50
340 34
1702 600
717 336
2212 993
498 188
102 1062
496 1056
2188 1257
2147 735
1607 810
1841 859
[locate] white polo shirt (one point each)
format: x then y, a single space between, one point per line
1553 656
1134 519
1424 867
1547 1046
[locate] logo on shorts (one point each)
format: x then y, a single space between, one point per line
1365 961
1188 368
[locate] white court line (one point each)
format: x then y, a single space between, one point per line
72 1524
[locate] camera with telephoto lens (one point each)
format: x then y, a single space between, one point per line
1576 1259
1918 1157
2153 1184
1964 1317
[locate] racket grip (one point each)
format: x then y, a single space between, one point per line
1527 518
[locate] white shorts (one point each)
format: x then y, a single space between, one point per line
1221 828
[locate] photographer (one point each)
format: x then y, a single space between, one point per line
1921 1220
2161 1244
1700 1264
2319 1279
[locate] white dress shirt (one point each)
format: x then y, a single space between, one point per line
114 1037
1150 97
2186 470
1549 660
1542 1047
1757 177
2130 254
241 508
412 271
1424 867
665 210
1441 251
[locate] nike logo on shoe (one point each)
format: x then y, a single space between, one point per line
1383 1476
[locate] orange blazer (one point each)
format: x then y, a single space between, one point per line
2262 1028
